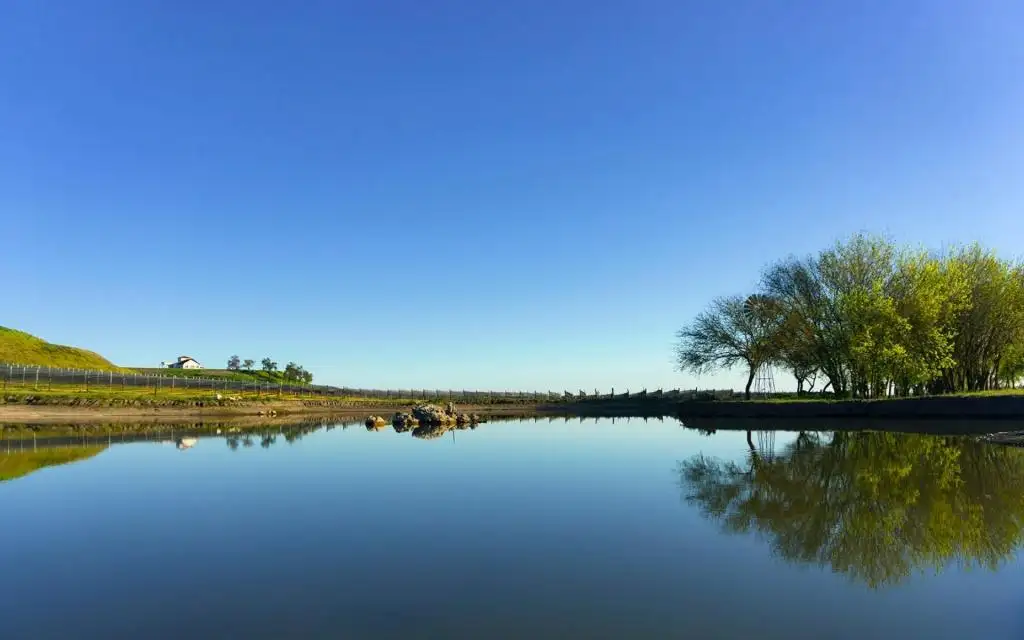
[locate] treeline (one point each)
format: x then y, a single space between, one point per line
870 319
292 372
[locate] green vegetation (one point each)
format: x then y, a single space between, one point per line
18 347
162 395
21 463
874 506
874 320
292 374
266 377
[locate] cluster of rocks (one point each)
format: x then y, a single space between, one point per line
425 415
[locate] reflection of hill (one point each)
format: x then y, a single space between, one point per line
875 506
19 464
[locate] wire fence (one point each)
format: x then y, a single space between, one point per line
38 378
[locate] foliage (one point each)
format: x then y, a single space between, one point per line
18 347
234 363
876 320
247 364
268 364
874 506
732 331
295 373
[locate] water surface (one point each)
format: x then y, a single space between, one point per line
543 529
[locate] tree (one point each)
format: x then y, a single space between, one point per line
291 371
247 364
233 363
269 365
733 331
875 320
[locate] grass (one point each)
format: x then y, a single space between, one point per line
275 377
21 463
18 347
793 399
98 395
115 395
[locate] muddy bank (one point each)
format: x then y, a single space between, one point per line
1008 407
56 414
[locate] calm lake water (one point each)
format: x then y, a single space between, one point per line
631 529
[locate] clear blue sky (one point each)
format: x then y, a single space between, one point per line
477 194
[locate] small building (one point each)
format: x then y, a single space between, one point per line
185 362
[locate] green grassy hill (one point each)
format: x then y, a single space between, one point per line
18 347
275 377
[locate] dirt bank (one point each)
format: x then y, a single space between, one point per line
56 414
1008 407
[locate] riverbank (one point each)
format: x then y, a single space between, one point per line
967 407
85 410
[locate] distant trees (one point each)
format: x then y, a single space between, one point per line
294 372
873 320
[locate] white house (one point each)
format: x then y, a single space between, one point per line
185 362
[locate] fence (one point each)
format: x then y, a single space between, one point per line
28 377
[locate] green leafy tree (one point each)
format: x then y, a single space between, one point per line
247 364
269 365
233 363
732 331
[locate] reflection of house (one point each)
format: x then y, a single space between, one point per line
186 443
185 362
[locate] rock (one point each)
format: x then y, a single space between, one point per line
402 421
432 414
375 422
219 397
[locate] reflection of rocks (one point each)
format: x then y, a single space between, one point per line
376 422
429 431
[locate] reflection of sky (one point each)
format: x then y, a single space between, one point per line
527 527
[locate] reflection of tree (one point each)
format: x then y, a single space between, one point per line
267 440
875 506
233 442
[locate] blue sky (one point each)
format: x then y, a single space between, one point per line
465 194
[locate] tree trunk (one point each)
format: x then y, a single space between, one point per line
750 381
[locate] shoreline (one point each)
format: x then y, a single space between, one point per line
63 414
